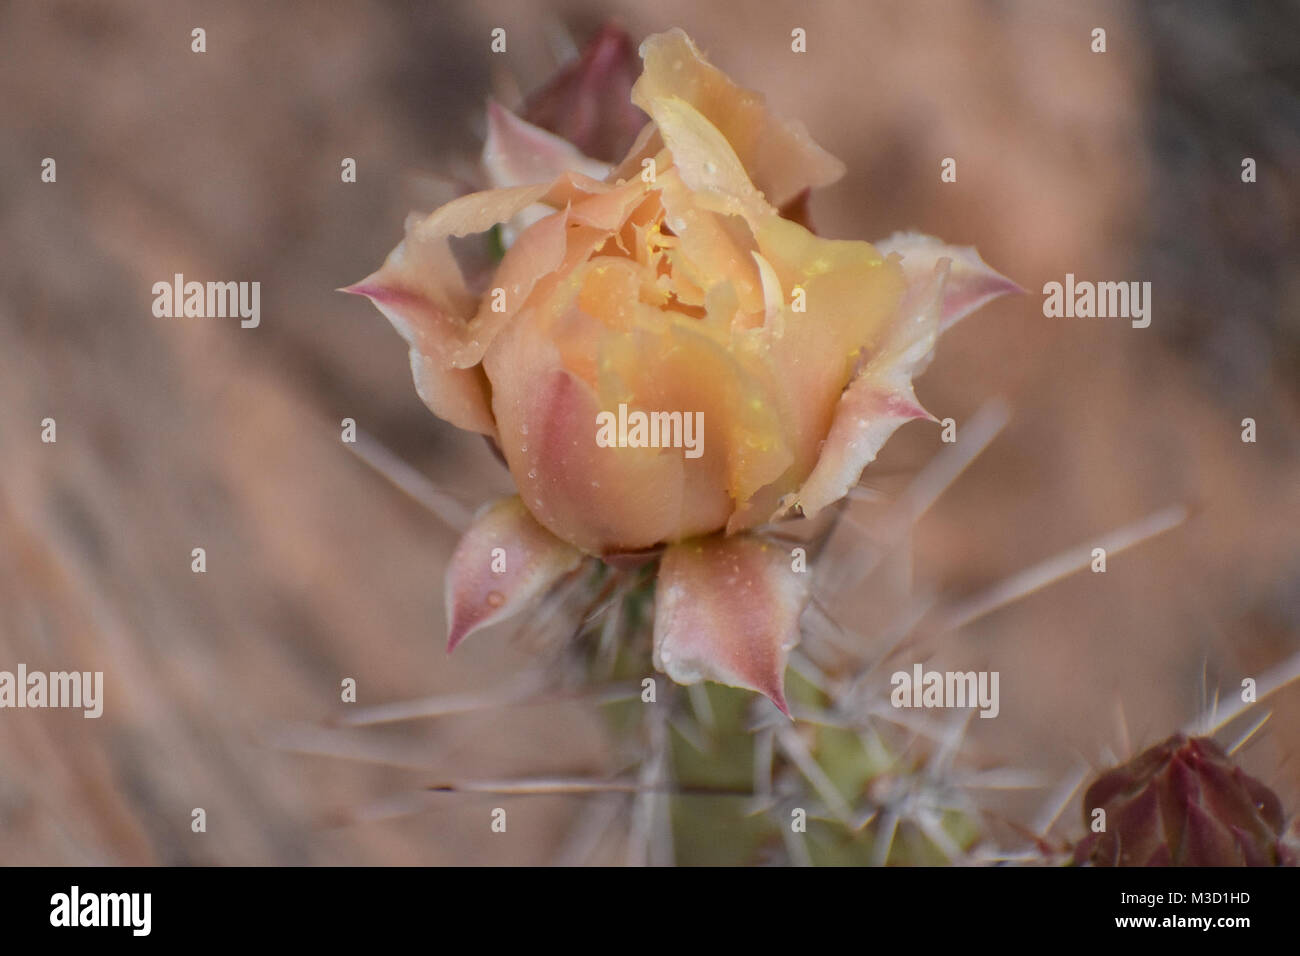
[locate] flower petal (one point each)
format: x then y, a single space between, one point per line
647 145
547 251
972 283
682 366
518 153
705 160
602 499
727 610
502 562
422 292
877 402
479 212
537 253
809 353
781 158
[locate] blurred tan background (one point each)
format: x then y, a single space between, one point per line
175 434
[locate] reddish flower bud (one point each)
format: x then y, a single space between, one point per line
1183 803
589 102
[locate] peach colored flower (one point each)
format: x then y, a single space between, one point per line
670 283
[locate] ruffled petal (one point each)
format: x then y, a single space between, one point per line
502 562
538 252
421 290
480 211
706 161
647 145
518 153
972 283
727 610
547 251
779 155
877 402
851 306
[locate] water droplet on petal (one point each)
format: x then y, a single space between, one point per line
495 599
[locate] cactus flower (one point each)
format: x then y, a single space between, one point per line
668 289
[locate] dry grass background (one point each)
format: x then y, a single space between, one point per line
174 434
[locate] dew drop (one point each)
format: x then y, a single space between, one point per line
495 599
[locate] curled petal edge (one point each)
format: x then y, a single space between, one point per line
972 282
421 290
877 402
517 153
